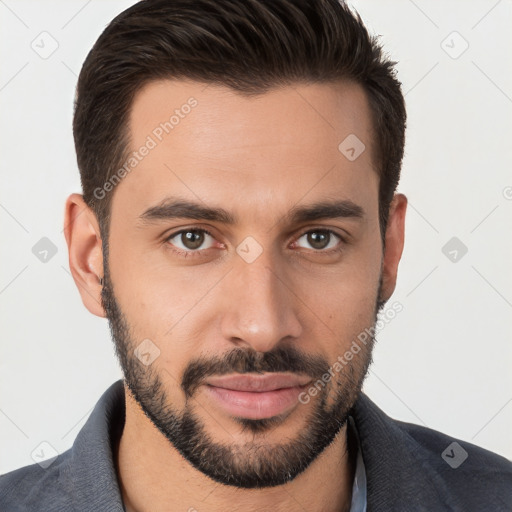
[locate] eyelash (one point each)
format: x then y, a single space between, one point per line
181 252
197 253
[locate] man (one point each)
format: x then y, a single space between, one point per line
240 230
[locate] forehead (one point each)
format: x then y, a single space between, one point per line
263 153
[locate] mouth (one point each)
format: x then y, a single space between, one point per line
256 396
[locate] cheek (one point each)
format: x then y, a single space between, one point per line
154 295
348 312
342 306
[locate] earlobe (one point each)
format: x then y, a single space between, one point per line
85 252
395 236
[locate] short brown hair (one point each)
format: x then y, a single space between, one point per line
247 45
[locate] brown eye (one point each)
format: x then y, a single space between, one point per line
321 239
191 239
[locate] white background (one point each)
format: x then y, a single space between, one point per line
445 361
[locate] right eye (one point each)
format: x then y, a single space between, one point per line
190 240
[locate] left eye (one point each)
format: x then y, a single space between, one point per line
191 239
321 239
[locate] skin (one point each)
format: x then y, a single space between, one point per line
257 157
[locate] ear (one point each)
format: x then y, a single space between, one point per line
83 237
395 234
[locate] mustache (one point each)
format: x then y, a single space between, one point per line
279 359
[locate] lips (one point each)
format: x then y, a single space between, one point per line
256 396
258 383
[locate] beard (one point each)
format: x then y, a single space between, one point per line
254 464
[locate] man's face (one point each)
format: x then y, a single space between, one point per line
266 293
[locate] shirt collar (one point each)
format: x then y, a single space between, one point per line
358 503
93 479
395 462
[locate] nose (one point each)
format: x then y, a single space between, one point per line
260 307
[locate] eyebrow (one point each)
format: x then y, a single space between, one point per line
177 208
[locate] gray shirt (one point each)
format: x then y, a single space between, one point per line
408 468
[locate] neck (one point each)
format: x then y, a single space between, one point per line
154 475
